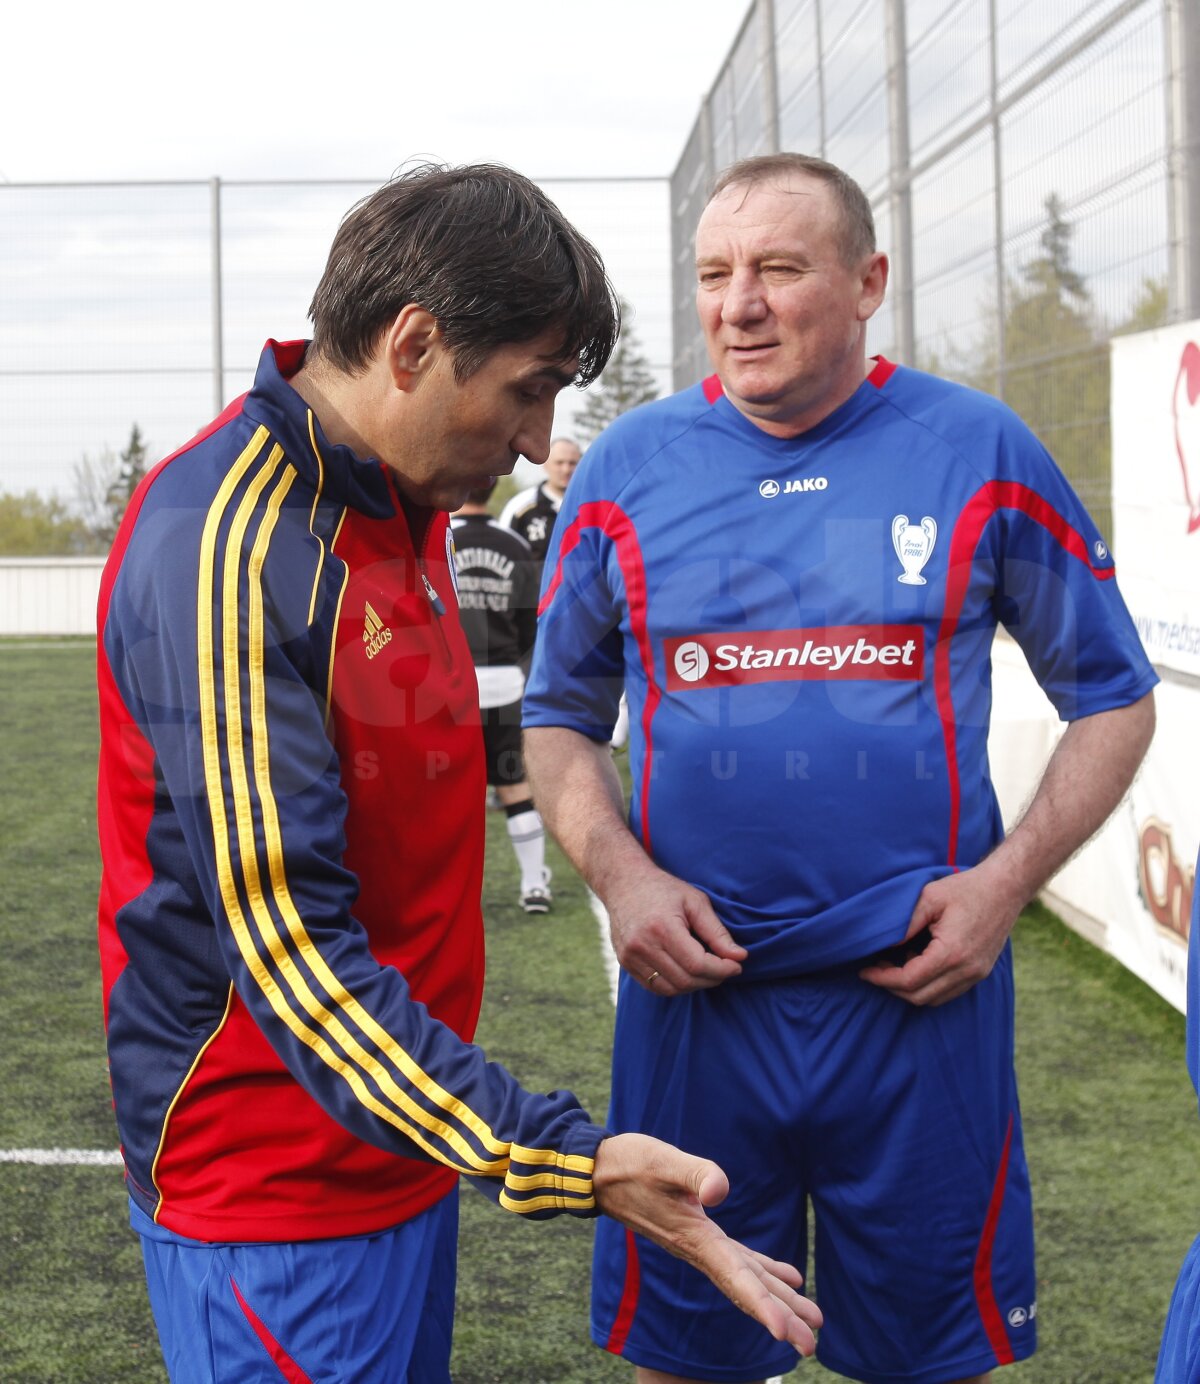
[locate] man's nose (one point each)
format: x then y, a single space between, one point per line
744 299
533 441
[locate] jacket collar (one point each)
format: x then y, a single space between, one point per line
337 472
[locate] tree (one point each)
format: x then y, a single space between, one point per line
92 481
1149 310
132 469
33 525
626 382
1055 370
103 487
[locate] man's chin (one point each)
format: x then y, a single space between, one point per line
754 392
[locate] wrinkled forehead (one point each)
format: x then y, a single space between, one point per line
791 206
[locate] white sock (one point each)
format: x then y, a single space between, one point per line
528 838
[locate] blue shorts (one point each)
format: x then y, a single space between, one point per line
1179 1355
376 1309
902 1127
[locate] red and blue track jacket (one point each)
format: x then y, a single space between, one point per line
291 821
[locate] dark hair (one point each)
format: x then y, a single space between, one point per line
858 225
480 494
483 250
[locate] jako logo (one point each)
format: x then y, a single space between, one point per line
691 661
1018 1317
801 486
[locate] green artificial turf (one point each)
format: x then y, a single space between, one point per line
1111 1127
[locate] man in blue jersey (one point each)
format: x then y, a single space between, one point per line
795 571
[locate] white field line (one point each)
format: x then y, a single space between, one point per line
83 1157
66 1158
63 1158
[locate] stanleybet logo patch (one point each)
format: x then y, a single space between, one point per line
875 653
691 661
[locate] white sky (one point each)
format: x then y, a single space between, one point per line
352 88
347 89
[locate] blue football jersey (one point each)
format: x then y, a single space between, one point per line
803 629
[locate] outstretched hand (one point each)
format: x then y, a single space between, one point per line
661 1192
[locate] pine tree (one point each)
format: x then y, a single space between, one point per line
1056 369
626 382
130 472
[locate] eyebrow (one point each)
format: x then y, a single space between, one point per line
554 373
771 252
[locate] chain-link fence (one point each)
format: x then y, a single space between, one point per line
1034 171
149 303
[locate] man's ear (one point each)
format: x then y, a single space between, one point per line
410 346
874 284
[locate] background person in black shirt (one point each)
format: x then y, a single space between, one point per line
497 601
532 512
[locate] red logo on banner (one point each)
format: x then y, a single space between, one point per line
878 653
1186 411
1166 883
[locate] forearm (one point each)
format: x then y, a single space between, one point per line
1087 776
579 795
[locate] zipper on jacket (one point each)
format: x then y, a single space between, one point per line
436 603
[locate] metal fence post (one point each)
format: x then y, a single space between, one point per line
819 40
1183 157
770 77
217 288
899 184
706 142
997 200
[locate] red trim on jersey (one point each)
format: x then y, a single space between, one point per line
611 520
882 372
713 388
977 513
629 1296
985 1294
282 1361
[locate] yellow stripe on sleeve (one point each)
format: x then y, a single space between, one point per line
281 895
544 1204
276 945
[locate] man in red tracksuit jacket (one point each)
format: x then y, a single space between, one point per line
290 815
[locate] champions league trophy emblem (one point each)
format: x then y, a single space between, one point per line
913 546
